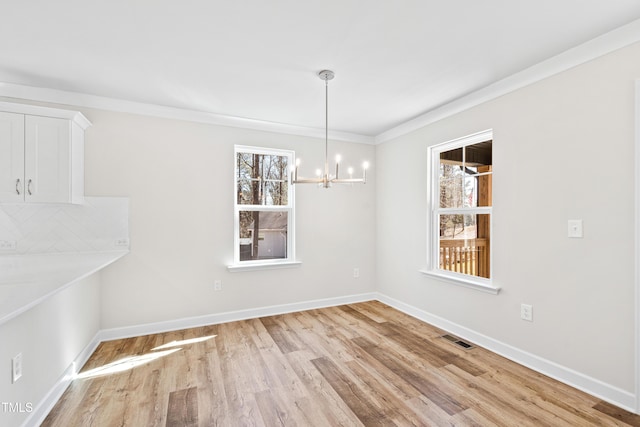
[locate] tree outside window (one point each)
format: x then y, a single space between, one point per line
263 205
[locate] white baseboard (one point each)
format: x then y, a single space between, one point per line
594 387
229 316
563 374
42 409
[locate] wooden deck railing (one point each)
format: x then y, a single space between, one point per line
465 256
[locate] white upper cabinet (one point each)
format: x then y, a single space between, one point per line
11 157
47 161
41 154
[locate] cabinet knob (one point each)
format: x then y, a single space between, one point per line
18 186
29 187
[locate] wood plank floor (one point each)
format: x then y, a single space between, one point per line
360 364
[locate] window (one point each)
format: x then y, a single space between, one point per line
460 205
264 213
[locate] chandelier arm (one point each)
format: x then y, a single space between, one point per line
349 181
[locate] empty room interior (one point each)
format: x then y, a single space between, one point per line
320 213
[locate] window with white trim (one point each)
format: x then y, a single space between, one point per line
460 206
263 207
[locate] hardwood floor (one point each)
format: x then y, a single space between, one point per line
360 364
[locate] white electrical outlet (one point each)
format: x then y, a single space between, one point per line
122 242
16 367
526 312
574 228
356 273
217 285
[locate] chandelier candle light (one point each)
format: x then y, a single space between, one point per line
325 180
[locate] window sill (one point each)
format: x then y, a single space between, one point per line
471 284
250 266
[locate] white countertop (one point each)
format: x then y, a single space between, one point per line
27 280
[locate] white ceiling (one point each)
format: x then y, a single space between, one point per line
258 59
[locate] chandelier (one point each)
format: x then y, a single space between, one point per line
324 179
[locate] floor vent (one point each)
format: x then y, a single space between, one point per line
457 341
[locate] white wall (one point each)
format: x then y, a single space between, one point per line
179 177
49 336
563 149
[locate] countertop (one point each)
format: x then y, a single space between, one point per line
27 280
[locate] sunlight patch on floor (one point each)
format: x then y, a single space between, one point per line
184 342
125 364
131 362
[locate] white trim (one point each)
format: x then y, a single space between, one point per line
229 316
34 110
602 45
636 264
592 386
57 96
480 210
258 265
563 374
472 283
595 48
42 409
262 150
463 141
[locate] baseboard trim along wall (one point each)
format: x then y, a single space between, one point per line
229 316
42 409
563 374
597 388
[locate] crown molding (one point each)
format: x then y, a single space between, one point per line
76 99
600 46
34 110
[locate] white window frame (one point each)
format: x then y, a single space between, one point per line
290 259
433 210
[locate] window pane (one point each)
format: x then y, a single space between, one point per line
464 244
478 160
484 192
451 185
262 179
478 154
452 156
263 235
470 192
465 176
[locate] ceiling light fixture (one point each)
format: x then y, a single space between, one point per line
325 180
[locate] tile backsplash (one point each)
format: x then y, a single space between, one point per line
100 224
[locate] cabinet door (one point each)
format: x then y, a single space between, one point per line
47 159
11 157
